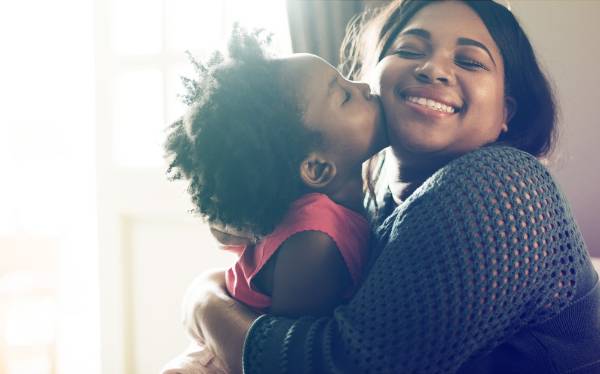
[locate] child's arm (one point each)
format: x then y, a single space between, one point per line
306 276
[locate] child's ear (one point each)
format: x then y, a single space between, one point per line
316 171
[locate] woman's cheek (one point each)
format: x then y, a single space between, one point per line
383 75
487 102
391 122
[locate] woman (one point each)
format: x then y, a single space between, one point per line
478 265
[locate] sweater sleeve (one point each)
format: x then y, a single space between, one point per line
484 248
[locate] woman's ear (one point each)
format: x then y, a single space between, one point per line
510 108
317 171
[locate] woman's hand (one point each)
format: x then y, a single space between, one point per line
210 282
195 359
212 315
196 297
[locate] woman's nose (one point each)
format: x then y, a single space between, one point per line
435 70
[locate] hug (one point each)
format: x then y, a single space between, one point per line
465 259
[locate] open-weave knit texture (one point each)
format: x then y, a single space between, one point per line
485 248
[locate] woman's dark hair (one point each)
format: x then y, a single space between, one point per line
242 142
533 126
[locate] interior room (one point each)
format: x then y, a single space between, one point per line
97 246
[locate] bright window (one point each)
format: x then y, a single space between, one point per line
88 86
48 252
145 58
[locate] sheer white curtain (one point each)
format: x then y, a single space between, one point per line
49 319
87 89
150 248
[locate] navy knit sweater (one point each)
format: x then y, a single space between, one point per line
481 270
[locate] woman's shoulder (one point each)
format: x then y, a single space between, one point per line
494 165
487 175
498 157
493 178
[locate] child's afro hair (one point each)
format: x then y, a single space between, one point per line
241 144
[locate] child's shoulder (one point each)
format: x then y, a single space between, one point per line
320 208
348 229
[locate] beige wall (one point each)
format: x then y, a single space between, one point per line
565 35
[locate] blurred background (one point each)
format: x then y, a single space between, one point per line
96 247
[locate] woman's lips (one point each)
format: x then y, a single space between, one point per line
427 111
430 101
431 104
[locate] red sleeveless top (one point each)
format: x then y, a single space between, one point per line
312 212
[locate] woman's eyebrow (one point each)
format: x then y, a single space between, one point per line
417 32
475 43
422 33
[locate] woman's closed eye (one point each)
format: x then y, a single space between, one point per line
470 63
410 47
409 53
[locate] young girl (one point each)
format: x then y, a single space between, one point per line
274 147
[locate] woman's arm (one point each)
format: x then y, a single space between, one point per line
221 321
484 248
307 276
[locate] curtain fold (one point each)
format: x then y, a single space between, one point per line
318 26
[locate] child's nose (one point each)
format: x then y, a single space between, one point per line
364 89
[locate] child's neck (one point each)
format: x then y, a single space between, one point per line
349 193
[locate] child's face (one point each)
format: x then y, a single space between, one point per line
344 112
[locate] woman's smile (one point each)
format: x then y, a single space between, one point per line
430 101
430 104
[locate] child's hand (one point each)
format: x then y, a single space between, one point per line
228 236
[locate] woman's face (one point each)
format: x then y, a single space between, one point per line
442 84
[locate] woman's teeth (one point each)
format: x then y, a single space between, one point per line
432 104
